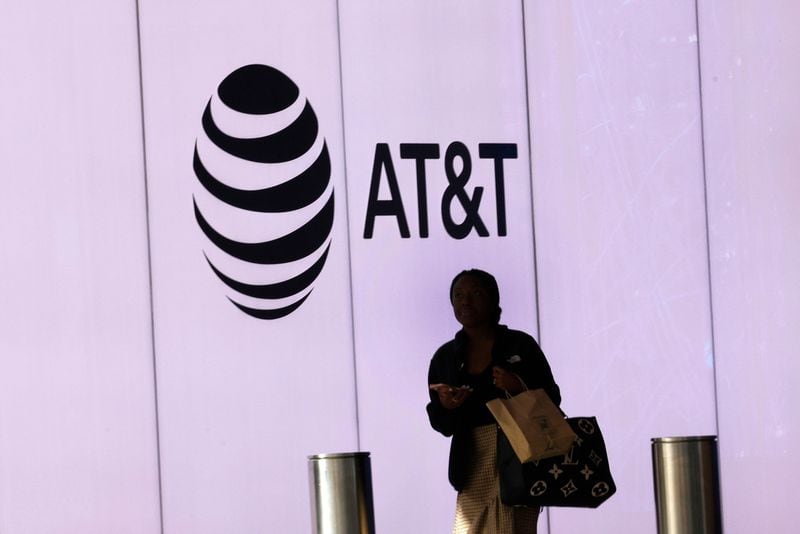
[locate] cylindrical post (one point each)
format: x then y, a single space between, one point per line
686 480
341 493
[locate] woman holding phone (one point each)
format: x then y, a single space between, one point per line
484 361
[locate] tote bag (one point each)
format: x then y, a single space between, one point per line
581 477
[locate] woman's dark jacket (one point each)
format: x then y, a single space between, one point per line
514 351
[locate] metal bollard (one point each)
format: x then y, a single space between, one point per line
341 493
686 481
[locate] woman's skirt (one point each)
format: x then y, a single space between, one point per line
478 506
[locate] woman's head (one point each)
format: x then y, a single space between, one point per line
475 298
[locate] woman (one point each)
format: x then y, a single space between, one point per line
486 360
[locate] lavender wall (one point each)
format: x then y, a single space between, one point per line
620 227
648 245
752 123
77 415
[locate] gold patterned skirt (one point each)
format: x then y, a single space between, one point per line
478 506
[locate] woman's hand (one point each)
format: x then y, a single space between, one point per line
507 381
451 397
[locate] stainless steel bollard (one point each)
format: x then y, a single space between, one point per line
341 493
686 480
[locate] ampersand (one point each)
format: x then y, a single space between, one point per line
455 189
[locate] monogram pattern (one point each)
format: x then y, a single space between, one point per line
579 478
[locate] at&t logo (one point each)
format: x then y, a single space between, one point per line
266 203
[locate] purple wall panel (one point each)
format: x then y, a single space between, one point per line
77 415
242 401
421 72
752 124
620 232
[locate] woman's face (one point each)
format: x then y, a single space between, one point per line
471 302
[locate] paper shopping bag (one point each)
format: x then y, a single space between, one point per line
534 426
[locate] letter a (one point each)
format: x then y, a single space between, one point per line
393 206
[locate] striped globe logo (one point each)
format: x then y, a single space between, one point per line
264 198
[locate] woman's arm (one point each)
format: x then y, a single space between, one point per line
445 420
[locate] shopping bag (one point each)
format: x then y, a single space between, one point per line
534 426
581 477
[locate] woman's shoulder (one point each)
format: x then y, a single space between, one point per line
447 351
516 335
447 348
519 341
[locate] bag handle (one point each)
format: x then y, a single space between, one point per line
525 388
521 381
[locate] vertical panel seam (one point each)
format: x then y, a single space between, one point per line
705 205
149 267
530 173
347 224
530 182
708 242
